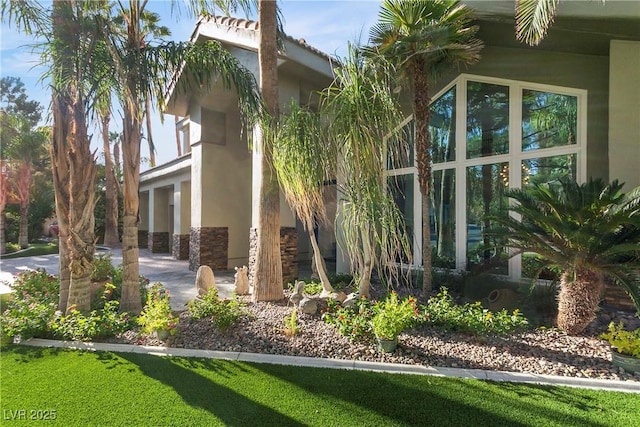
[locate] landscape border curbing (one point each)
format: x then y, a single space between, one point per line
395 368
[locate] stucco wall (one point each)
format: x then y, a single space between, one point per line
624 117
586 72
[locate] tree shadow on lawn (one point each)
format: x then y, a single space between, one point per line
230 407
427 400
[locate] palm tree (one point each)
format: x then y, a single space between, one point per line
267 274
303 163
533 19
421 38
361 111
143 70
589 231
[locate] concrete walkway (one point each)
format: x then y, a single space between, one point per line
176 277
173 274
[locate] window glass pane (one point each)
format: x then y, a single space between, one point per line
443 219
487 119
442 128
546 169
401 189
548 120
486 185
400 155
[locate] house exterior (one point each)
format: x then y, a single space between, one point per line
200 206
570 106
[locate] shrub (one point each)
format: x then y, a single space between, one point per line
624 342
102 268
99 323
223 313
156 314
471 318
354 323
393 316
116 279
291 327
33 304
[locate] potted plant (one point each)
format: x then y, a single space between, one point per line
156 315
625 347
391 317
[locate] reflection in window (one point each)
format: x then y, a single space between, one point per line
442 128
443 219
487 119
401 189
486 185
546 169
400 155
548 120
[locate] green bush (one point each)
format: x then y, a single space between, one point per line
354 323
471 318
223 313
98 324
32 305
393 315
156 314
102 268
115 274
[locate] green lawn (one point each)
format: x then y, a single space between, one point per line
104 388
34 249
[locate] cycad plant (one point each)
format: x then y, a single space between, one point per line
590 231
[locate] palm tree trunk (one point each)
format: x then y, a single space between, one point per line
60 171
423 159
3 243
268 267
111 237
578 300
152 148
23 237
131 173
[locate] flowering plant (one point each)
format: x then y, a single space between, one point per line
393 316
156 314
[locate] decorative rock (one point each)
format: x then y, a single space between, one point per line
298 290
338 296
205 280
241 280
308 306
351 300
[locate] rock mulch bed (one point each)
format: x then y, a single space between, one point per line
541 351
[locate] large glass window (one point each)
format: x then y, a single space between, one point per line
442 128
486 185
548 120
487 119
515 134
443 218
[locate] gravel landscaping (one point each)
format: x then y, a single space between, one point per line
540 351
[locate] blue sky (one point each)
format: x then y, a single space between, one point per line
326 25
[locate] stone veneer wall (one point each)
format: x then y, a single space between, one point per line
180 247
617 297
288 253
143 236
159 241
208 246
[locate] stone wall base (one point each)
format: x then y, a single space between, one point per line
180 247
158 242
208 246
143 236
617 297
288 253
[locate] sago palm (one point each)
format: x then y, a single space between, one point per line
589 231
421 38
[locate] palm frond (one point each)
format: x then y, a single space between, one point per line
533 19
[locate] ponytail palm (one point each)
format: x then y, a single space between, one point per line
589 231
302 161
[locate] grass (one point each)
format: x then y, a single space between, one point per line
34 249
104 388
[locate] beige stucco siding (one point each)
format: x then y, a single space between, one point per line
624 117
